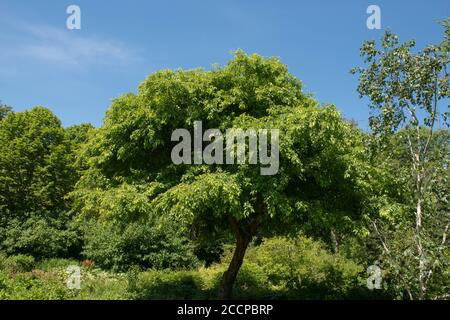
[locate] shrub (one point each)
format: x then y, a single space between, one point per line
33 286
55 264
251 282
143 245
43 235
97 284
17 263
303 268
49 282
297 268
167 284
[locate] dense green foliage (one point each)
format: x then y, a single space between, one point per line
35 163
267 273
137 245
111 201
130 174
37 171
43 236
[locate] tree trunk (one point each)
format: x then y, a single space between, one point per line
418 231
422 267
242 241
335 241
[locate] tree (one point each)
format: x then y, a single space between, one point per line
404 89
131 174
390 219
35 158
36 173
79 134
4 110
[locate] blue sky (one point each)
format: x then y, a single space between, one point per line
76 73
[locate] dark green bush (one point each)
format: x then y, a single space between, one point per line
43 235
166 284
137 244
17 263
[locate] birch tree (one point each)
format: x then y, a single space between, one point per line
408 93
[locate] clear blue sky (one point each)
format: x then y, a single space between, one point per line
76 73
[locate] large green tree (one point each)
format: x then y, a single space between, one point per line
36 173
35 162
131 174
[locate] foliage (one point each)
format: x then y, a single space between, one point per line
409 204
131 175
4 110
35 164
301 267
341 200
43 236
32 286
17 263
143 245
49 283
403 87
390 220
36 172
79 134
278 268
167 284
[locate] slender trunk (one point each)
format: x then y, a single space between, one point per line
420 251
242 241
422 284
335 241
417 167
410 296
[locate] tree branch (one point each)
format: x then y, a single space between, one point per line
383 243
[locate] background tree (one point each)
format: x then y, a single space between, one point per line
36 173
404 89
131 175
392 223
4 110
35 162
80 134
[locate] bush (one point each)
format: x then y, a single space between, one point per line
251 282
55 263
43 235
166 284
36 285
97 284
279 268
19 279
303 268
17 263
137 244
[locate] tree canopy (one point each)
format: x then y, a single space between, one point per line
131 175
408 91
35 162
